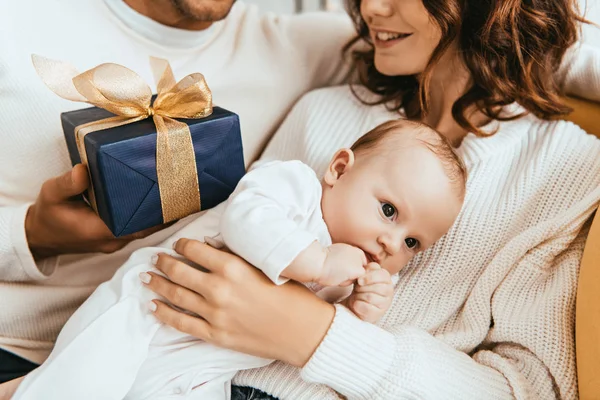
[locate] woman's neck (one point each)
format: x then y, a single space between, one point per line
450 81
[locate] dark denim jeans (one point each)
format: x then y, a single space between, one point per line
248 393
13 366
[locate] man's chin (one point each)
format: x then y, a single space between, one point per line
204 10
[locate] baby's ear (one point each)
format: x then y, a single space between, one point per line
340 164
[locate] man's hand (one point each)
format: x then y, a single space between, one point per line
60 223
8 389
343 265
372 295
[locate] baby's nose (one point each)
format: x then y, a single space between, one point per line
391 244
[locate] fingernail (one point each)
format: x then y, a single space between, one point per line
145 277
174 244
152 306
154 259
361 281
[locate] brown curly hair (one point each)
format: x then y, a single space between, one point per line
512 49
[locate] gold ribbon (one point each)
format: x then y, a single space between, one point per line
124 93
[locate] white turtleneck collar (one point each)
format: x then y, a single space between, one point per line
158 33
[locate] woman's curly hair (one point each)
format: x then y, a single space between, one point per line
512 49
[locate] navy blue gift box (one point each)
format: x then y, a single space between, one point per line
122 165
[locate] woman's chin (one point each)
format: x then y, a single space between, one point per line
394 68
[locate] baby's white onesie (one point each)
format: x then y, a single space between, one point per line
114 348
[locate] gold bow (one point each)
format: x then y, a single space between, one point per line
124 93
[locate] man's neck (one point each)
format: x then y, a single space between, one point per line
166 13
450 81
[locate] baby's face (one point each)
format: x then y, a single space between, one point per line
392 205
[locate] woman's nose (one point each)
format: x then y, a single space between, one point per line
376 8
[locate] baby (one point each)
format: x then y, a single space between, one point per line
394 193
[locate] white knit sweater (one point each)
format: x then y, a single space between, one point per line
489 311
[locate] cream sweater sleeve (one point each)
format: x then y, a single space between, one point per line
16 262
527 353
522 356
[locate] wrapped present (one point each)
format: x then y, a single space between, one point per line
151 159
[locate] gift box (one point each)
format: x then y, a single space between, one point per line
151 159
122 165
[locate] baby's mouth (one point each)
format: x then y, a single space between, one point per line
371 258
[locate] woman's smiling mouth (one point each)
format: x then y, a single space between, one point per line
385 39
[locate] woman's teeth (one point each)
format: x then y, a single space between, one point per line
385 36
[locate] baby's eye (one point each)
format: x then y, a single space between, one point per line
389 211
411 243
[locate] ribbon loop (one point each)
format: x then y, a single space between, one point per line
123 92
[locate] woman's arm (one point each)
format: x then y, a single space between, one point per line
244 312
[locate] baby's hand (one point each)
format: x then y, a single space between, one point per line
343 265
372 294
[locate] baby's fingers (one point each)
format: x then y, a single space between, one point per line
366 311
383 289
375 299
375 276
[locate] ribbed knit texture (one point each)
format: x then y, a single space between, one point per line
256 65
489 311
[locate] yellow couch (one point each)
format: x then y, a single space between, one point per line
587 326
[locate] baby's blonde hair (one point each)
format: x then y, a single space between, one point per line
429 137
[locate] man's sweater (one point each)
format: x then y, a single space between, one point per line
256 65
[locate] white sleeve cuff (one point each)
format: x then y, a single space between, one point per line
284 253
353 358
32 270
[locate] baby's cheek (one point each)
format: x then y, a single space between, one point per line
394 264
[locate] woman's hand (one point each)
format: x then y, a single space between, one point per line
58 223
239 307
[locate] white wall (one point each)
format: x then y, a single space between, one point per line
288 6
591 34
279 6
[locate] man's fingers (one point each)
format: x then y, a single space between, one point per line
80 178
8 389
65 186
183 322
202 254
147 232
